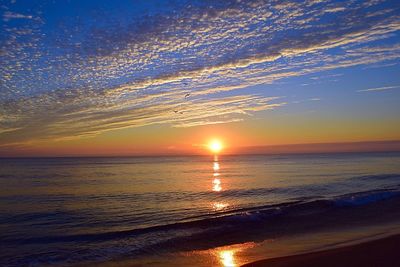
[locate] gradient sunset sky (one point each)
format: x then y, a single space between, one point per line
155 77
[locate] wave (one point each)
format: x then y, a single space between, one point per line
304 209
388 176
363 198
253 224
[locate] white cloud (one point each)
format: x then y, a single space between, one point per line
384 88
7 16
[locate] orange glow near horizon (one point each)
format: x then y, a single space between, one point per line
234 139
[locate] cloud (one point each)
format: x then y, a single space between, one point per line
7 16
185 65
379 88
147 112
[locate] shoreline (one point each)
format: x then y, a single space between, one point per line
383 252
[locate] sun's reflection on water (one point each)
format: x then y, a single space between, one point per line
217 185
217 206
227 258
231 256
216 166
216 182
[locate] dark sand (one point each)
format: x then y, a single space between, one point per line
378 253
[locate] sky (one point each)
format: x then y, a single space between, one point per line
167 76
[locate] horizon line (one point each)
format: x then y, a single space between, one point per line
281 149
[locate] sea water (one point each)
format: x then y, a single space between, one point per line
69 211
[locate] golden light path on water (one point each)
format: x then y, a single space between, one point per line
228 256
216 181
220 206
216 166
216 185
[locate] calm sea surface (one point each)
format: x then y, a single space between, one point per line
65 211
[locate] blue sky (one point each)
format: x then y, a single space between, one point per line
77 69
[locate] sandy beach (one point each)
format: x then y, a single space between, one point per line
378 253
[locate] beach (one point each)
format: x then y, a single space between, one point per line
382 252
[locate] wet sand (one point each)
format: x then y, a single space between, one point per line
384 252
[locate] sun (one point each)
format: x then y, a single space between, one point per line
215 146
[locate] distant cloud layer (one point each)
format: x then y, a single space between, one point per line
95 70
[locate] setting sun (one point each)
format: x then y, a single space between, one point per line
215 146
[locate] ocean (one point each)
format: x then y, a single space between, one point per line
164 211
